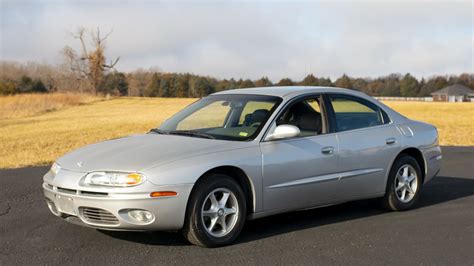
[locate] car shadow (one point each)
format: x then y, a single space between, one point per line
149 238
439 190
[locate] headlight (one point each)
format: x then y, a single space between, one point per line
55 169
114 179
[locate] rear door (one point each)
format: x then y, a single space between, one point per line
368 142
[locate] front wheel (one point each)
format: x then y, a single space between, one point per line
216 212
404 184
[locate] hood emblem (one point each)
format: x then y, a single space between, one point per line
79 164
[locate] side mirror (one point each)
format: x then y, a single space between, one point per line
284 132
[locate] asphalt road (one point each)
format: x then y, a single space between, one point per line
440 231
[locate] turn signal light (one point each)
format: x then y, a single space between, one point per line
163 194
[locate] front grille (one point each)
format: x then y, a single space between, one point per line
91 193
77 192
66 190
98 216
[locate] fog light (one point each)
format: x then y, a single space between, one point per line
141 216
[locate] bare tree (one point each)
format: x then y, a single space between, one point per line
90 64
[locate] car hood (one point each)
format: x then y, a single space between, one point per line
135 153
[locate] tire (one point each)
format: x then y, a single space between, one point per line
204 210
398 181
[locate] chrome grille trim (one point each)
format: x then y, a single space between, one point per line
98 216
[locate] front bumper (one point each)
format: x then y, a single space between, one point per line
110 211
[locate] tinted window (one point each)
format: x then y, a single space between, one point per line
353 113
306 115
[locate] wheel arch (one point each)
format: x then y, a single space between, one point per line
418 156
240 177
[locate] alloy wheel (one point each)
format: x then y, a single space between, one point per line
406 183
220 212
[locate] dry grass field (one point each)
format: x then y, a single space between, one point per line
455 121
23 105
37 129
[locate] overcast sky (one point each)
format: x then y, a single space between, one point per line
252 39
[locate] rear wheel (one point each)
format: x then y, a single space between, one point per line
403 185
216 212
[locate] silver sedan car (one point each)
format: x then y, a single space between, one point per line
245 154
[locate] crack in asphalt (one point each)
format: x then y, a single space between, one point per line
6 211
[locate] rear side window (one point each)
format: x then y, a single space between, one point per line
353 112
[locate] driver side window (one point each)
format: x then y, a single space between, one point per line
305 114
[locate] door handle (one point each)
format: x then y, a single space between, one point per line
327 150
390 141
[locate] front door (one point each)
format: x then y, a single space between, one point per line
300 172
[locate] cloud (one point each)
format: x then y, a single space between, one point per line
252 39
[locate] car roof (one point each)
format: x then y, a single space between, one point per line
283 91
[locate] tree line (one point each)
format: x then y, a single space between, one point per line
187 85
87 70
42 78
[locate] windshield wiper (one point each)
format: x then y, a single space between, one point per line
158 131
191 133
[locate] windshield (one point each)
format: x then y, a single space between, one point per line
228 117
